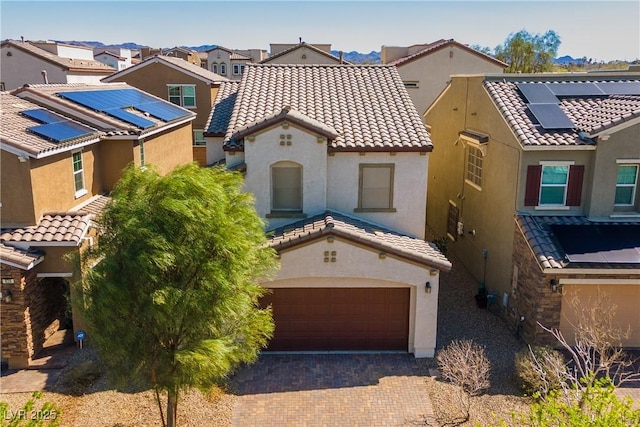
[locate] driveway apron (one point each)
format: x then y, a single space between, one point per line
330 390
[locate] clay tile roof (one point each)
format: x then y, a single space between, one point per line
589 114
79 65
440 44
238 56
358 231
220 115
537 230
299 46
94 206
187 66
54 228
367 105
14 132
290 115
20 258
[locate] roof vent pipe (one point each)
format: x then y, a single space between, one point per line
22 38
44 76
341 61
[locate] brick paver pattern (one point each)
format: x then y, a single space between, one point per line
331 390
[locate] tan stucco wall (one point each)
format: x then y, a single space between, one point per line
433 71
409 192
310 57
168 149
489 211
356 266
53 184
15 191
115 155
624 144
154 78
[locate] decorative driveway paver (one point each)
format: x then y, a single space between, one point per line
330 390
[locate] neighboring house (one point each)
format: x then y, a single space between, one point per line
204 59
115 57
25 62
218 121
63 149
185 53
181 83
336 157
228 63
302 53
535 185
426 68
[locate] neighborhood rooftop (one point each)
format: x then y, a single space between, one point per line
367 105
564 110
84 65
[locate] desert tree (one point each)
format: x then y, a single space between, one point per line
529 53
172 300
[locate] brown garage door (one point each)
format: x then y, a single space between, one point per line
339 318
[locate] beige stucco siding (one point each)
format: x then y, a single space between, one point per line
409 188
433 71
357 266
305 150
624 144
304 55
486 212
168 149
15 191
115 155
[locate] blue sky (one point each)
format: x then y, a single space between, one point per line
602 30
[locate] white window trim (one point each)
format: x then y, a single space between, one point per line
204 140
181 85
548 206
483 152
83 190
236 69
634 186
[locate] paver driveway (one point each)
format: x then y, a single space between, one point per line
330 390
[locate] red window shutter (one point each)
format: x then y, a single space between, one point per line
532 191
574 190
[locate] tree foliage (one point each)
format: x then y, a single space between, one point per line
529 53
172 301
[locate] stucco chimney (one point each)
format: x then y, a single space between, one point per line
44 76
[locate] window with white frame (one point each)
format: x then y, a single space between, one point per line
553 185
473 174
198 137
236 69
183 95
223 69
376 187
626 185
286 187
214 67
78 173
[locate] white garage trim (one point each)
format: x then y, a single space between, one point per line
596 282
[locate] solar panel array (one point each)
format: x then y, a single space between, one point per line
55 127
600 243
116 102
543 103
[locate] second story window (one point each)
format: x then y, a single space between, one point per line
183 95
223 69
286 187
626 185
78 174
198 137
376 187
553 185
236 69
214 67
473 174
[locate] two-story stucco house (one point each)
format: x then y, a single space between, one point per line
181 83
25 62
63 149
535 184
425 69
228 63
336 157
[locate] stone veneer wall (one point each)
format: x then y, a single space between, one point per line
17 342
46 307
534 298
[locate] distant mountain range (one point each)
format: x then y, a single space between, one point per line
355 57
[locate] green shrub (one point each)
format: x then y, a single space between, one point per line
539 370
47 415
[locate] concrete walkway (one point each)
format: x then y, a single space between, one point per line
331 390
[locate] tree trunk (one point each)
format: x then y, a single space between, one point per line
172 407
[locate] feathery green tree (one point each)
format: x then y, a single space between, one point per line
529 53
173 299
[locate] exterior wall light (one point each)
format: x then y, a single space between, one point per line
553 284
427 287
7 297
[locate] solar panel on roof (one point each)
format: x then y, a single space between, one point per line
61 131
620 88
551 116
162 110
43 116
537 93
606 243
128 117
575 89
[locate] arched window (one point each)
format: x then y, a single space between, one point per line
223 69
286 187
214 67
